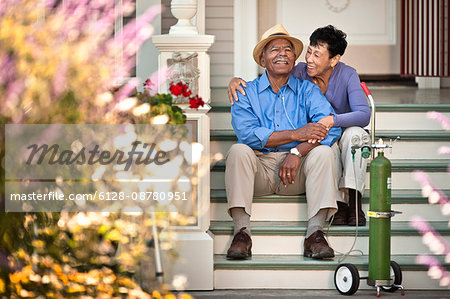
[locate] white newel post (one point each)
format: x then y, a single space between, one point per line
194 243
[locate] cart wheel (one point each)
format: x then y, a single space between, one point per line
396 273
346 279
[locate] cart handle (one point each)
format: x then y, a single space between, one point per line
366 90
372 105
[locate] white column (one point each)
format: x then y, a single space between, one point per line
194 243
199 19
184 11
428 82
167 44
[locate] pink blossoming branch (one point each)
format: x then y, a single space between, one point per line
49 49
434 194
429 190
438 246
430 237
435 269
445 122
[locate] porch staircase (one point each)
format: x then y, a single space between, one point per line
279 222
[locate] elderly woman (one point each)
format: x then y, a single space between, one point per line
341 86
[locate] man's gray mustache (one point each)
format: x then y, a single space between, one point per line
282 59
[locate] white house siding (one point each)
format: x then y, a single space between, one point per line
218 22
167 19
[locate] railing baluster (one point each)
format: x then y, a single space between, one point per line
425 38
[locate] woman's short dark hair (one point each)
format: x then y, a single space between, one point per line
334 37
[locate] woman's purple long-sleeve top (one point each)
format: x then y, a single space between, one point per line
344 93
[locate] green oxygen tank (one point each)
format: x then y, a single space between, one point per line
380 221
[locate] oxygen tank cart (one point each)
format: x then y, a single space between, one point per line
383 273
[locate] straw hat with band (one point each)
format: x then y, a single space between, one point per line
272 33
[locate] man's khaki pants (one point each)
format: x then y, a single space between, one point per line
251 173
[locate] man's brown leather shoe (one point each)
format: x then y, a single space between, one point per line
317 247
340 218
241 246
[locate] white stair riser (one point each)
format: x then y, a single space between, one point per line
383 121
298 212
400 180
307 279
406 121
219 95
286 245
404 180
220 121
401 149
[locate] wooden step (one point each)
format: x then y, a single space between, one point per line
299 211
294 208
407 135
400 180
401 149
298 228
398 165
383 121
297 272
381 107
400 116
287 237
411 145
283 245
298 262
402 169
411 196
437 170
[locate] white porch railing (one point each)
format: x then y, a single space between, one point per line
194 242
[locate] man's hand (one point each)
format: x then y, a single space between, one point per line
288 169
327 121
235 84
311 131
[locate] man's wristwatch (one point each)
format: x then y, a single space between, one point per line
295 151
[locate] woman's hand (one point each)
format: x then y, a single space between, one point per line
235 84
327 121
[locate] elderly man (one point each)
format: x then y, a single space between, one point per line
272 122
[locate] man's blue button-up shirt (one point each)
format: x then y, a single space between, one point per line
262 111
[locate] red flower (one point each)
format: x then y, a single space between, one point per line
179 89
196 102
147 82
176 90
150 88
186 93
